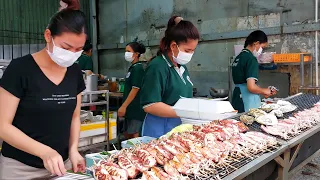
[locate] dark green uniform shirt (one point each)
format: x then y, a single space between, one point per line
165 83
244 67
134 80
85 62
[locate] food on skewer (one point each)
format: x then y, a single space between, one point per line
125 163
288 128
212 145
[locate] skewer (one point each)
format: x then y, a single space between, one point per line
114 147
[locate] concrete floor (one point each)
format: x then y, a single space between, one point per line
313 167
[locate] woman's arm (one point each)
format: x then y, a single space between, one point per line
255 89
75 126
78 163
16 138
133 93
160 109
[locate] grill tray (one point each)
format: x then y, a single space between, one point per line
302 101
236 163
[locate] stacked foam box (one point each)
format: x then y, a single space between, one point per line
202 111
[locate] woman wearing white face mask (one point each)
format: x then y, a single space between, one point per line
131 108
167 78
245 70
40 104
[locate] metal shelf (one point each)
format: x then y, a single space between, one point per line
92 103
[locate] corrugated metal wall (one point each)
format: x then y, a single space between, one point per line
22 23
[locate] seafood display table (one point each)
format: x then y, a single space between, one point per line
244 156
293 148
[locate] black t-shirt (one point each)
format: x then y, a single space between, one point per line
45 110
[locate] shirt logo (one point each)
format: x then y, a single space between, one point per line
235 63
128 75
188 78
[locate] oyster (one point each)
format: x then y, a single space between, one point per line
272 106
247 119
277 113
283 103
268 119
256 113
267 110
288 108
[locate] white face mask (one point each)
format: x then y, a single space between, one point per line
182 57
63 57
128 56
257 53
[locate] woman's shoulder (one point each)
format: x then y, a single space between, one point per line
159 62
22 63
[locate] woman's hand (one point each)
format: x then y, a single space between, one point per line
122 111
53 162
77 161
267 92
274 92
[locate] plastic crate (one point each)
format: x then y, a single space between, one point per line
289 58
136 141
90 158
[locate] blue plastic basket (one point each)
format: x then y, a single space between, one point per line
136 141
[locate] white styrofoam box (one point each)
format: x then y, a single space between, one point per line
187 108
95 140
194 121
191 108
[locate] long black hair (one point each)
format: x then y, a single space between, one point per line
256 36
67 20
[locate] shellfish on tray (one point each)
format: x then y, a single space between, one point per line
247 119
288 108
283 103
268 119
267 110
256 113
277 113
271 106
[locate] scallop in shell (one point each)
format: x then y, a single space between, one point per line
256 113
247 119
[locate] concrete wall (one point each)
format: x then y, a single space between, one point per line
123 20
